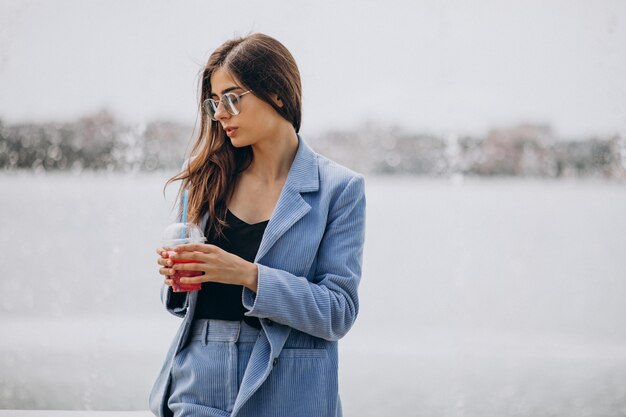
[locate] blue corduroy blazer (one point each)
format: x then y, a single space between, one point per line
309 264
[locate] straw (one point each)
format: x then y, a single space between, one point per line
185 204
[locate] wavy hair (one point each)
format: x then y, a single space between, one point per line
263 65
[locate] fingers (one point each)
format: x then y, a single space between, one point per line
166 271
189 267
165 262
195 247
193 280
162 251
191 256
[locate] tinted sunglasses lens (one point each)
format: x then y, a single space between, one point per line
231 101
210 107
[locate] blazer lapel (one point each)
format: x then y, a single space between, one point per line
303 177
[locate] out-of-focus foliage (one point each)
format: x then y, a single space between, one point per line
524 150
98 142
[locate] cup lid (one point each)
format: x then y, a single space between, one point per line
182 233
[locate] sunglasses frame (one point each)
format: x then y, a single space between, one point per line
229 100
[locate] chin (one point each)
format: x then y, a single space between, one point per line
239 142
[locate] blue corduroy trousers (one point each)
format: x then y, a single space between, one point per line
207 372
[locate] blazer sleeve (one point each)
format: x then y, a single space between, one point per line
175 302
327 306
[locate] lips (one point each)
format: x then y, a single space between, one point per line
230 131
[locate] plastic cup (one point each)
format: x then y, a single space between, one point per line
177 234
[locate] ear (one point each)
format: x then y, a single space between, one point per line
277 100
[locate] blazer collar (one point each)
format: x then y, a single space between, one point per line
303 177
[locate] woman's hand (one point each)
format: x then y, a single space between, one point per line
166 265
217 265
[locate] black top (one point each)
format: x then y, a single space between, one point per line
223 301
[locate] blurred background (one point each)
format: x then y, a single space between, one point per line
492 135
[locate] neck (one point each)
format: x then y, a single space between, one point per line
273 157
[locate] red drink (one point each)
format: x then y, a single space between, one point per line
178 234
177 286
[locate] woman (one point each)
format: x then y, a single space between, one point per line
283 262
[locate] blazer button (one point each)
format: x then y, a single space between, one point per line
275 362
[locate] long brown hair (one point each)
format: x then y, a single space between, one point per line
263 65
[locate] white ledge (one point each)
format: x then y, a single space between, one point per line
73 413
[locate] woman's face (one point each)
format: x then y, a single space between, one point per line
257 120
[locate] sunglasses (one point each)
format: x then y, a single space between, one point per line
230 101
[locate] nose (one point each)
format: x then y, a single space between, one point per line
220 112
